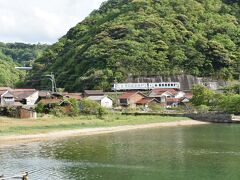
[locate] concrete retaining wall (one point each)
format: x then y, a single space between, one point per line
212 117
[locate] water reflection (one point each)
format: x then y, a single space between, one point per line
198 152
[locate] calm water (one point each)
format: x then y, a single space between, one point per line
186 153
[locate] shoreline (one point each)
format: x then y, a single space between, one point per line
7 140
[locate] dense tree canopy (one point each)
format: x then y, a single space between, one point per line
16 54
22 53
146 37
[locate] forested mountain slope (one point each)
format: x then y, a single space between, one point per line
16 54
22 53
143 38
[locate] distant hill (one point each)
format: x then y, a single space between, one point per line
16 54
22 53
144 38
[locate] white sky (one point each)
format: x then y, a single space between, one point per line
44 21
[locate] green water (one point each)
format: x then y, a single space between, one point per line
185 153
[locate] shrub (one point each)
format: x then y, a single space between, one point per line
202 109
92 107
201 95
101 112
231 104
156 108
57 111
75 109
40 108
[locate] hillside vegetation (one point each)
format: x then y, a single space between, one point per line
146 37
16 54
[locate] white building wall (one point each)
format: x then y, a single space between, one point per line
6 102
106 102
31 100
180 94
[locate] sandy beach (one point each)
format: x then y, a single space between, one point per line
92 131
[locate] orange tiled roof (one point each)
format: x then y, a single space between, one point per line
127 95
160 91
173 100
146 100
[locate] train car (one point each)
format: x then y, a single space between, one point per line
145 86
165 85
130 86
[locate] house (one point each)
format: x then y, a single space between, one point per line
145 102
7 98
168 93
26 96
129 99
88 93
171 97
104 101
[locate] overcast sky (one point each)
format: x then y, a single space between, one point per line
44 21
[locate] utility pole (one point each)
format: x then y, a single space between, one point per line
52 79
115 89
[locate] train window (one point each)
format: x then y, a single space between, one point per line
156 85
159 85
168 84
171 84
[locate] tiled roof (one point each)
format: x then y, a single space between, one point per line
127 95
160 91
173 100
96 98
21 94
50 101
4 88
76 96
21 90
146 101
2 92
94 92
44 94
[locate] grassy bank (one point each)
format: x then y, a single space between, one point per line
49 124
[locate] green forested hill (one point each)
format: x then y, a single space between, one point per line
9 76
16 54
146 37
22 53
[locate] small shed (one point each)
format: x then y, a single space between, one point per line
104 101
25 113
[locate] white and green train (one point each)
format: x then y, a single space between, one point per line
145 86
